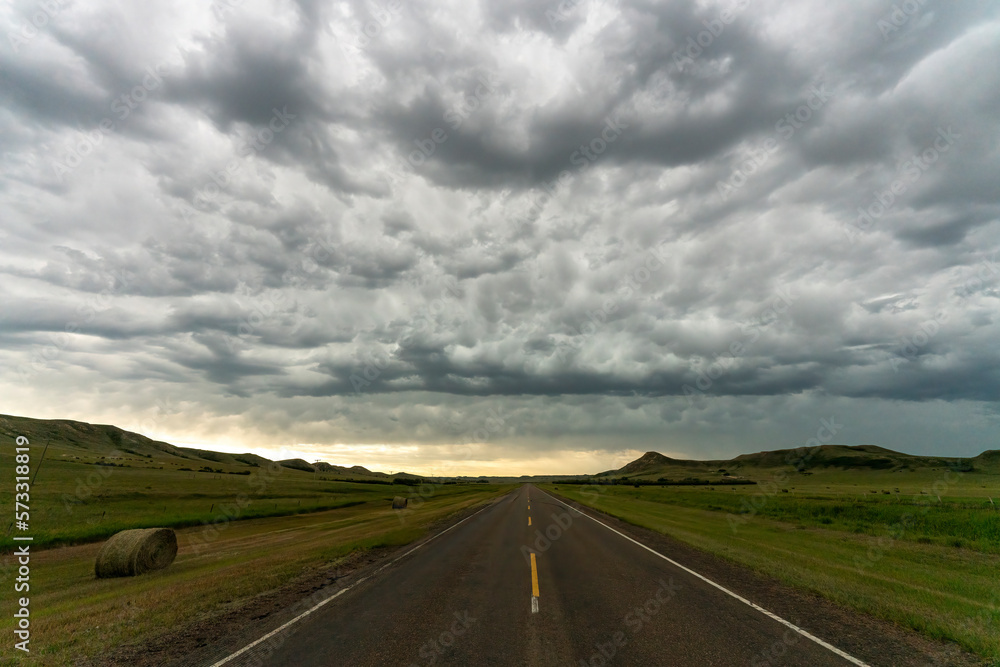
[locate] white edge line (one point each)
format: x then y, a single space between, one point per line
340 592
742 599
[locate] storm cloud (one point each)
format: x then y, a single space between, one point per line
504 236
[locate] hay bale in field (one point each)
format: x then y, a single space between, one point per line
137 551
398 503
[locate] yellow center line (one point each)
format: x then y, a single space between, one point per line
534 577
529 520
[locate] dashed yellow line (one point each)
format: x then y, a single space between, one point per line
534 577
529 520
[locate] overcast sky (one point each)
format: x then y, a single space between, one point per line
504 236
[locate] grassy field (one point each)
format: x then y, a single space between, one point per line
77 616
926 557
77 499
90 481
929 506
244 528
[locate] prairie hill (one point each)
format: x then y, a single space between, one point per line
298 464
653 465
90 443
988 461
654 461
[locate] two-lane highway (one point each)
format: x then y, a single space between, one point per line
531 581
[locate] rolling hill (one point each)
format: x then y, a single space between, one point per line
111 445
653 465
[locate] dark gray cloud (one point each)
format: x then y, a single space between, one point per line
493 233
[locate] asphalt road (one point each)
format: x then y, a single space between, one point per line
593 597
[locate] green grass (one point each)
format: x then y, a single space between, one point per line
74 501
75 616
912 577
963 520
240 536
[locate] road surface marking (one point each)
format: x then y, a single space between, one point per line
529 520
341 592
534 585
534 577
742 599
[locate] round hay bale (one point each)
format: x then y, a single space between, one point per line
137 551
398 503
